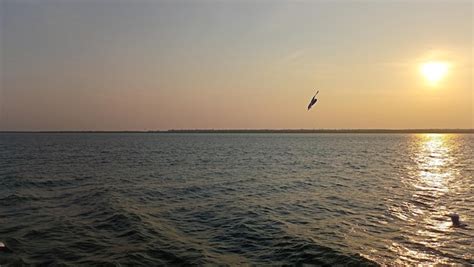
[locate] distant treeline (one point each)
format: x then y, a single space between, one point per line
325 131
470 131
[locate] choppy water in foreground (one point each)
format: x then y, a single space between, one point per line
236 198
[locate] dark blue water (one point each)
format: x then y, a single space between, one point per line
148 199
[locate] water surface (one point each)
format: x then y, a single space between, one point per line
236 198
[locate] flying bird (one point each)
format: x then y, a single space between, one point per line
313 101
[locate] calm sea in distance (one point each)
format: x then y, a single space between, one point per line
193 199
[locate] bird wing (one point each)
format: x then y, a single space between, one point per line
311 103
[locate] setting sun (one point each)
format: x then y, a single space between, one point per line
434 71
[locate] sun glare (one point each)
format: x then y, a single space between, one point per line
434 71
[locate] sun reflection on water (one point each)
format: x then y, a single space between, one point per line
432 160
431 176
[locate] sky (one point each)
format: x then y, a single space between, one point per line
158 65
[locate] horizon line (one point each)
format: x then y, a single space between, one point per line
302 130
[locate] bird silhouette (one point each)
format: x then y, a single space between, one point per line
313 101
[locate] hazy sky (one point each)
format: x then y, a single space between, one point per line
146 65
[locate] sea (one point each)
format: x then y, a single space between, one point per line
146 199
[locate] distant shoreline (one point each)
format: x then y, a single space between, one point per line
300 131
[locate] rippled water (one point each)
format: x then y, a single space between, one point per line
236 198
